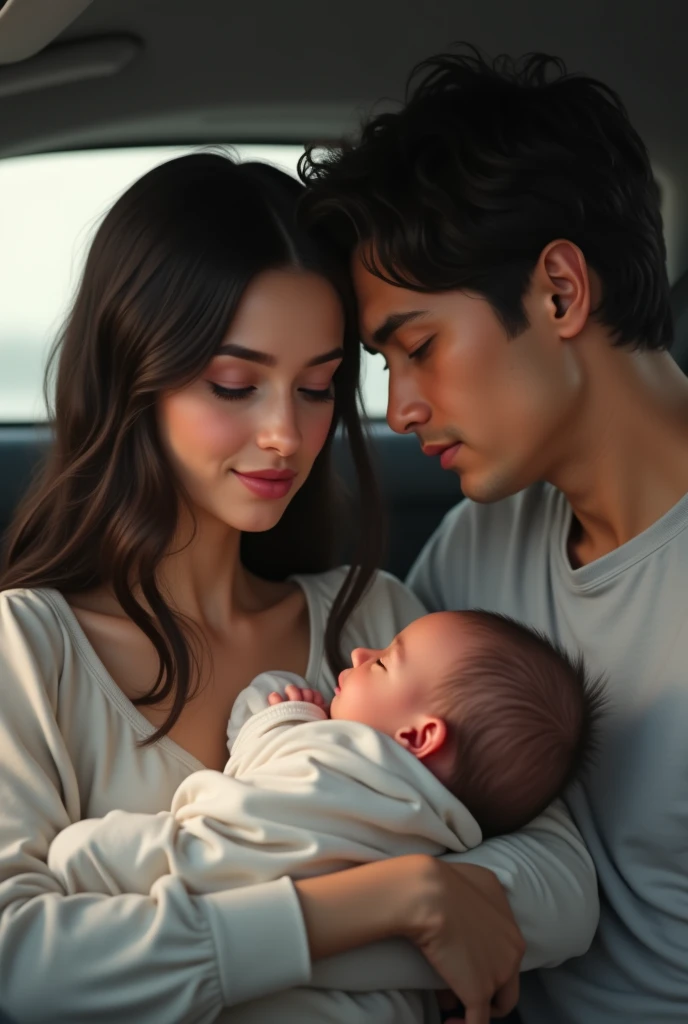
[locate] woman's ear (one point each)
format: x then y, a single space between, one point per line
425 738
562 275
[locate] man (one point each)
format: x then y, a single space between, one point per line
506 246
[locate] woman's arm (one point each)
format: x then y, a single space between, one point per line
172 957
547 875
163 958
459 920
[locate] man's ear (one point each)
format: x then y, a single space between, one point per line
562 276
425 738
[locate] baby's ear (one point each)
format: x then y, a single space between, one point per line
426 737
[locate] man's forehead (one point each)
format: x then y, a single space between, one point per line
383 308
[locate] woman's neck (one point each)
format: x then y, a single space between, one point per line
202 576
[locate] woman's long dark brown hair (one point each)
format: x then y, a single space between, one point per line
163 279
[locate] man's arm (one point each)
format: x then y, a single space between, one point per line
550 881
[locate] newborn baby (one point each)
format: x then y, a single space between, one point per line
499 715
466 726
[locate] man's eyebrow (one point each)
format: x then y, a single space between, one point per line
252 355
393 322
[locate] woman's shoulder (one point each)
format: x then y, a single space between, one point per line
387 604
33 644
31 619
31 606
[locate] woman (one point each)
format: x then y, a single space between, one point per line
208 359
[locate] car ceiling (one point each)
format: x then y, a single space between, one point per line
269 70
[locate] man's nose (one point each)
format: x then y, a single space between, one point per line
407 410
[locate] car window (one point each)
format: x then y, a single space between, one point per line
50 205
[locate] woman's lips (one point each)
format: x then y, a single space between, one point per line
268 483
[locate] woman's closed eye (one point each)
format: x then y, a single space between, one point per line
230 394
236 394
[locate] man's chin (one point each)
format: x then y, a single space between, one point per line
487 490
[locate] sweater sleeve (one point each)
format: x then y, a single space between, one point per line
196 840
167 957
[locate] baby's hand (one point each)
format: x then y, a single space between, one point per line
293 692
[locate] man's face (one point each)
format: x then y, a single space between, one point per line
496 409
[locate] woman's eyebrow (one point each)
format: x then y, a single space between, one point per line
327 357
252 355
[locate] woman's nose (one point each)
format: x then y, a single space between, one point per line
279 430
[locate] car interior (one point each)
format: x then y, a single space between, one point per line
81 79
114 76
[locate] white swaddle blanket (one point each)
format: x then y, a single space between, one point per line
301 795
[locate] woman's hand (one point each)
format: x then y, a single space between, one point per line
465 929
456 914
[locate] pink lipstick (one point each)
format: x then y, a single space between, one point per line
267 483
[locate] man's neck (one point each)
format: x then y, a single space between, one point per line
626 462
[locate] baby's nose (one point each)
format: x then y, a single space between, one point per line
361 655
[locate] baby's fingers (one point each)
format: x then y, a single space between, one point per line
293 692
313 697
275 698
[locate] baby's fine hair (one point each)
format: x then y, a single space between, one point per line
523 715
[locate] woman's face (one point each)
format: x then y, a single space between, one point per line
243 437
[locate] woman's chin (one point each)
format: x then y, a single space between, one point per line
259 520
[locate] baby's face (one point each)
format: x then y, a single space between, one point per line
391 689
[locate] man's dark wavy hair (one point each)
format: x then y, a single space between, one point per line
487 163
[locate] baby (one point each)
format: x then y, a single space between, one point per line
466 726
499 715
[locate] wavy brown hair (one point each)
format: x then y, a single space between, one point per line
163 279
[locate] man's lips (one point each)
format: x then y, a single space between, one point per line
446 452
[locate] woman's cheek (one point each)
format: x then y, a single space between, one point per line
318 428
224 430
205 430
